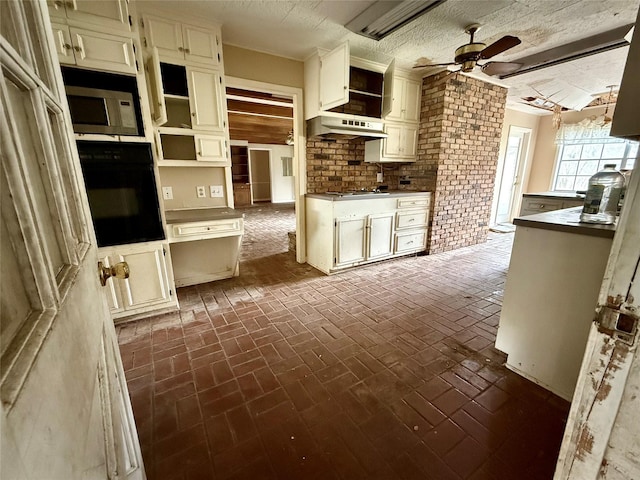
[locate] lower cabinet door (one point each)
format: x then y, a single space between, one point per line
148 287
211 149
380 237
350 241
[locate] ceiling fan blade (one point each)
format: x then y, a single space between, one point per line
500 68
434 65
499 46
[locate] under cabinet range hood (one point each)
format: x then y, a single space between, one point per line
344 128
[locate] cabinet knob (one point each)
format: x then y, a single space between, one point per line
77 48
58 4
193 114
180 49
119 270
71 5
186 50
67 46
346 87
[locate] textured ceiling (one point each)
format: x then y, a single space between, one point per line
294 28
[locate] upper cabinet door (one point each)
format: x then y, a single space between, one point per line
165 35
106 13
388 86
62 41
411 96
206 100
334 77
102 51
200 45
158 106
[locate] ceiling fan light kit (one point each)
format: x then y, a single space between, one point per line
468 55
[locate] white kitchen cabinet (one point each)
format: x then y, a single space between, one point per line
540 204
149 286
104 15
405 103
380 235
188 43
364 229
206 99
401 144
337 84
190 98
95 50
350 240
177 148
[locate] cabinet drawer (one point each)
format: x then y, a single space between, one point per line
413 202
418 218
531 206
200 230
410 242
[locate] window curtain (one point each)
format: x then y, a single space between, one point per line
589 130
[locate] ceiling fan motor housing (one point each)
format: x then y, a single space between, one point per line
468 54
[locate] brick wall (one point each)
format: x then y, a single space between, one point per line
339 166
459 139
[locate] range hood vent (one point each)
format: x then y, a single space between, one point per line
344 128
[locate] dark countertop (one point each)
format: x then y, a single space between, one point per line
563 195
566 220
337 196
201 215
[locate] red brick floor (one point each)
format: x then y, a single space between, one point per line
382 372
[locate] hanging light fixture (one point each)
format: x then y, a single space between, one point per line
556 119
606 110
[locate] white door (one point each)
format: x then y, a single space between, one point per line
165 35
111 13
602 438
507 179
102 51
65 410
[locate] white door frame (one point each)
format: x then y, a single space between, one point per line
299 151
516 195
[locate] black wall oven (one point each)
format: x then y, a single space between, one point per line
121 187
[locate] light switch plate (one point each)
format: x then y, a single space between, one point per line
216 191
167 193
379 177
201 192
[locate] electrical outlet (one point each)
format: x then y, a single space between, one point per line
201 192
216 191
379 177
167 193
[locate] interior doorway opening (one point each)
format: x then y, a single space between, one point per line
260 166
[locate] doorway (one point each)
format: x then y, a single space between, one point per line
260 165
508 188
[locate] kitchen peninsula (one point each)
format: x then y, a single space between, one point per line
556 269
346 229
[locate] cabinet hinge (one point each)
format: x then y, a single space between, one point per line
130 21
164 252
170 293
142 23
137 66
218 43
218 58
144 40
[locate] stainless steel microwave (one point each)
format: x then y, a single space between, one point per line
102 111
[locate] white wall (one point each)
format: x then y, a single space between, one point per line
281 186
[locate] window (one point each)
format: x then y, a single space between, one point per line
287 166
584 148
577 162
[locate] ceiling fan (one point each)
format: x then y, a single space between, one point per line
469 54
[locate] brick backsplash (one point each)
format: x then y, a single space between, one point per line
458 143
459 139
339 166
